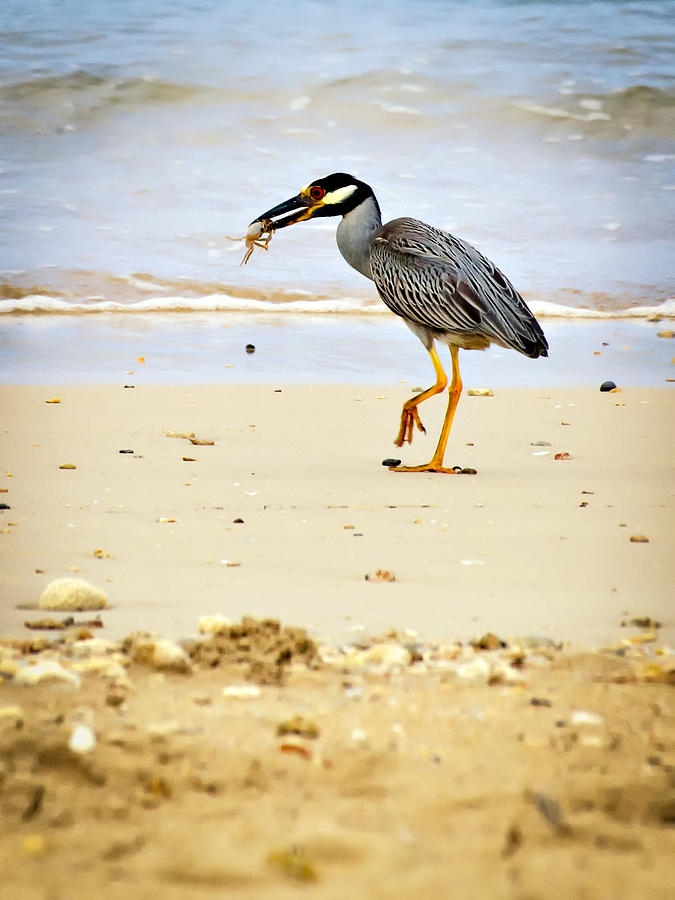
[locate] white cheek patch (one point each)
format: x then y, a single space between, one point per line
339 195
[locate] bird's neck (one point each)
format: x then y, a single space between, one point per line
355 232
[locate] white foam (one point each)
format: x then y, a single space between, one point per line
40 303
544 309
399 110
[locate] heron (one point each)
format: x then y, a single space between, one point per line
442 287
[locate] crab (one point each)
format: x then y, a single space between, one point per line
259 234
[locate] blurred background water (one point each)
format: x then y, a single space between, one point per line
135 136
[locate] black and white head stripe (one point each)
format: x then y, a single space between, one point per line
317 192
336 194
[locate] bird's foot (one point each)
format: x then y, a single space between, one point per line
410 419
434 467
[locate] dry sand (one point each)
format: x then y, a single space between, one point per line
530 545
419 780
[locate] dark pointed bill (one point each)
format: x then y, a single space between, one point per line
294 210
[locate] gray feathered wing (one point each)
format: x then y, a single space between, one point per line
438 282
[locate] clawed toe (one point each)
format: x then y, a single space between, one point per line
410 420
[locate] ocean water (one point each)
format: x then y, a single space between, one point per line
135 137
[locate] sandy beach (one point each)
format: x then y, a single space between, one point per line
530 544
427 765
276 668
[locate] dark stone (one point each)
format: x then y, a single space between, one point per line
4 506
391 463
126 451
607 386
250 348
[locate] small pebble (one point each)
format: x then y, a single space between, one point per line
126 451
82 739
216 624
607 386
5 506
644 622
639 539
115 697
391 463
250 348
488 641
33 844
583 717
380 575
162 654
241 692
299 725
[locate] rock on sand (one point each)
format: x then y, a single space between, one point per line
72 594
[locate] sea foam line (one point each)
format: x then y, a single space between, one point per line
45 304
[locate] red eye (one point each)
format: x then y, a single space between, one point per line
316 192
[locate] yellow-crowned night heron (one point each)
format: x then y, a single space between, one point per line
442 287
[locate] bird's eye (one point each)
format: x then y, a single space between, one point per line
316 192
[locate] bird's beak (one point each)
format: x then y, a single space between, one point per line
287 213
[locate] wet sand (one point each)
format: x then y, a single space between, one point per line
207 348
422 774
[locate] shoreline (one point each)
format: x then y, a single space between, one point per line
209 348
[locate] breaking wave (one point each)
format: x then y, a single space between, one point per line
220 302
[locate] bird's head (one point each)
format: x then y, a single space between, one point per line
334 195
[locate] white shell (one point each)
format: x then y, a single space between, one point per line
255 229
82 739
241 692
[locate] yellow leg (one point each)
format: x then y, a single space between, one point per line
435 464
409 415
